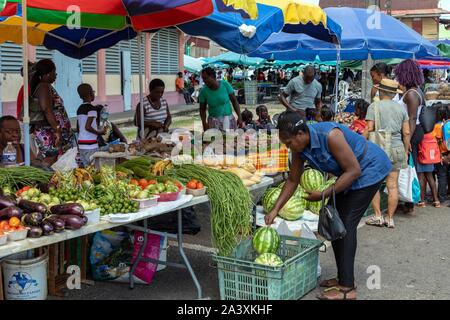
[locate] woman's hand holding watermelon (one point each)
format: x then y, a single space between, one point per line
270 217
313 196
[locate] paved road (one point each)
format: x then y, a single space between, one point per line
414 260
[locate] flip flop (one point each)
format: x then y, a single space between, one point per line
345 292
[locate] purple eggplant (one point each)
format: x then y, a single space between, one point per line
35 232
10 212
32 219
30 206
47 228
7 201
57 223
85 219
72 222
68 209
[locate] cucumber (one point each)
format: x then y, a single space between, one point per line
124 170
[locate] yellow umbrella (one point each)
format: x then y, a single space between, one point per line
11 30
295 12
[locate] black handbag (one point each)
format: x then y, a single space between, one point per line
331 226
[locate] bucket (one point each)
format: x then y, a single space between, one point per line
26 279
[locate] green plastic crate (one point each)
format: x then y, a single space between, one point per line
242 279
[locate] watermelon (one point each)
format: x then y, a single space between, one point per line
266 240
269 259
293 209
314 206
270 199
312 180
328 183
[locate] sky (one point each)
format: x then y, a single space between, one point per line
445 4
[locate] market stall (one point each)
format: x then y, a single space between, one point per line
42 226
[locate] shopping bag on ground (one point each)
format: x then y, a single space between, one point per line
408 184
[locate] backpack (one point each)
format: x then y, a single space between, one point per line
446 134
427 118
429 152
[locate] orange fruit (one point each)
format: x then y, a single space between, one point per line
14 222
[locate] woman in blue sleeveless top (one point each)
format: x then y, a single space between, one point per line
360 166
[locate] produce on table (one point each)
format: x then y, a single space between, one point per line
312 180
114 199
292 210
140 167
269 259
160 167
7 201
195 185
230 204
10 212
266 240
68 208
30 206
18 177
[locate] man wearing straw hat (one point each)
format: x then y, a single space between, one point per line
384 116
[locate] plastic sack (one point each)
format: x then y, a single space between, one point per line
408 184
110 252
145 271
67 162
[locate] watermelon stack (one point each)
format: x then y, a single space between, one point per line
312 180
269 259
266 240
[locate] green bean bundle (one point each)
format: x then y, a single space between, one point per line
23 176
230 205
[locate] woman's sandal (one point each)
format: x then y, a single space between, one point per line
329 283
436 204
422 204
345 292
375 221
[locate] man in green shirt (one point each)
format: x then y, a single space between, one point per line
217 97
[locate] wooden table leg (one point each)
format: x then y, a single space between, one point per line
52 269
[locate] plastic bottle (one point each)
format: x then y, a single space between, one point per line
9 155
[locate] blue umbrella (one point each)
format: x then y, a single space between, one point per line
386 38
238 34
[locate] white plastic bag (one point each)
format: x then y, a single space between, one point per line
408 184
67 162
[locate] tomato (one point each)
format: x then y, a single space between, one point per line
6 227
179 186
3 224
1 233
194 180
134 182
152 182
14 222
192 185
200 185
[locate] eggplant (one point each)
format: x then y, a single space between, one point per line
47 228
72 222
30 206
85 219
32 219
10 212
7 201
57 223
35 232
74 209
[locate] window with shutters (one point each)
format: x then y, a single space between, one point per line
113 60
10 57
165 52
135 55
43 53
89 64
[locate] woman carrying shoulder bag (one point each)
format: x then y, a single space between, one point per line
360 166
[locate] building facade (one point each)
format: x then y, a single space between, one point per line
113 72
